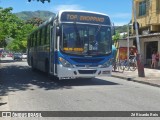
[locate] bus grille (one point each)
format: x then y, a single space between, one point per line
83 60
87 71
85 65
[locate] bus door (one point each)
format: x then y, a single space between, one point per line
53 65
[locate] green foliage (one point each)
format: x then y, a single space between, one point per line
116 37
5 28
13 31
121 29
35 21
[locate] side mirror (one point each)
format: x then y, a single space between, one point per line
58 31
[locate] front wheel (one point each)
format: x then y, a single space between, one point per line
133 66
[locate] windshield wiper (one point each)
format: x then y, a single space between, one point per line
95 40
99 27
77 33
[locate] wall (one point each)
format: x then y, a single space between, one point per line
123 42
151 19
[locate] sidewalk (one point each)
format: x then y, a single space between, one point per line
152 76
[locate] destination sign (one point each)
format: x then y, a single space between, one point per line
85 18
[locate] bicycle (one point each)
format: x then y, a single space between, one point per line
129 65
117 66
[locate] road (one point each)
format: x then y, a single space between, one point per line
25 90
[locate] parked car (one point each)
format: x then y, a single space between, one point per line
17 56
10 55
24 56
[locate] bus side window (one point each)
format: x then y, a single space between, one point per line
39 37
32 40
45 35
48 34
35 39
29 42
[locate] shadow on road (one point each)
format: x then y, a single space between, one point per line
3 103
6 61
11 61
20 78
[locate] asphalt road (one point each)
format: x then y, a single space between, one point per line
21 89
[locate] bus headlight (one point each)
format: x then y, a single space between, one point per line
106 64
65 63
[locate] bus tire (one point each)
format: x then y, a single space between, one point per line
47 67
32 65
86 79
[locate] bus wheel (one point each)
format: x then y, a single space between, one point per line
47 67
88 78
55 78
32 65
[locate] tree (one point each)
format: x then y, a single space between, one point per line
40 0
116 37
20 41
6 24
35 21
13 31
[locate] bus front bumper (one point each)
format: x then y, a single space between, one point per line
65 73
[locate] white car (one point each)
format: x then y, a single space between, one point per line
24 56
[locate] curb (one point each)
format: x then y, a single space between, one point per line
134 80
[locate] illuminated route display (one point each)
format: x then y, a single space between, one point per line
85 18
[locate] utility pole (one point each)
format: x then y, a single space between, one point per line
128 42
139 57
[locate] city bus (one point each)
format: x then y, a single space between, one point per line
74 44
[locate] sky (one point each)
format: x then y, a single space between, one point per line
118 10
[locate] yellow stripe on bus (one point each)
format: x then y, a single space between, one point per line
73 49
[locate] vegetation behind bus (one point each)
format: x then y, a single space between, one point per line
13 31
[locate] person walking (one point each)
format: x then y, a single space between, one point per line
131 54
153 64
157 59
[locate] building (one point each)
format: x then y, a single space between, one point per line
148 18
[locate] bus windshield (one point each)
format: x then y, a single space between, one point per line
82 39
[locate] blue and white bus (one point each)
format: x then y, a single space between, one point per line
74 44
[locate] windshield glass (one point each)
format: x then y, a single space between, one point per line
86 39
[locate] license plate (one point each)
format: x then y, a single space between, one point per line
106 72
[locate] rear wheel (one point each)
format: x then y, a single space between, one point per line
88 78
47 67
120 67
32 65
85 79
133 66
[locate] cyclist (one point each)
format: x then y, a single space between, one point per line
132 55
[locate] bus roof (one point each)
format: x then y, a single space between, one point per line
65 11
80 16
82 11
